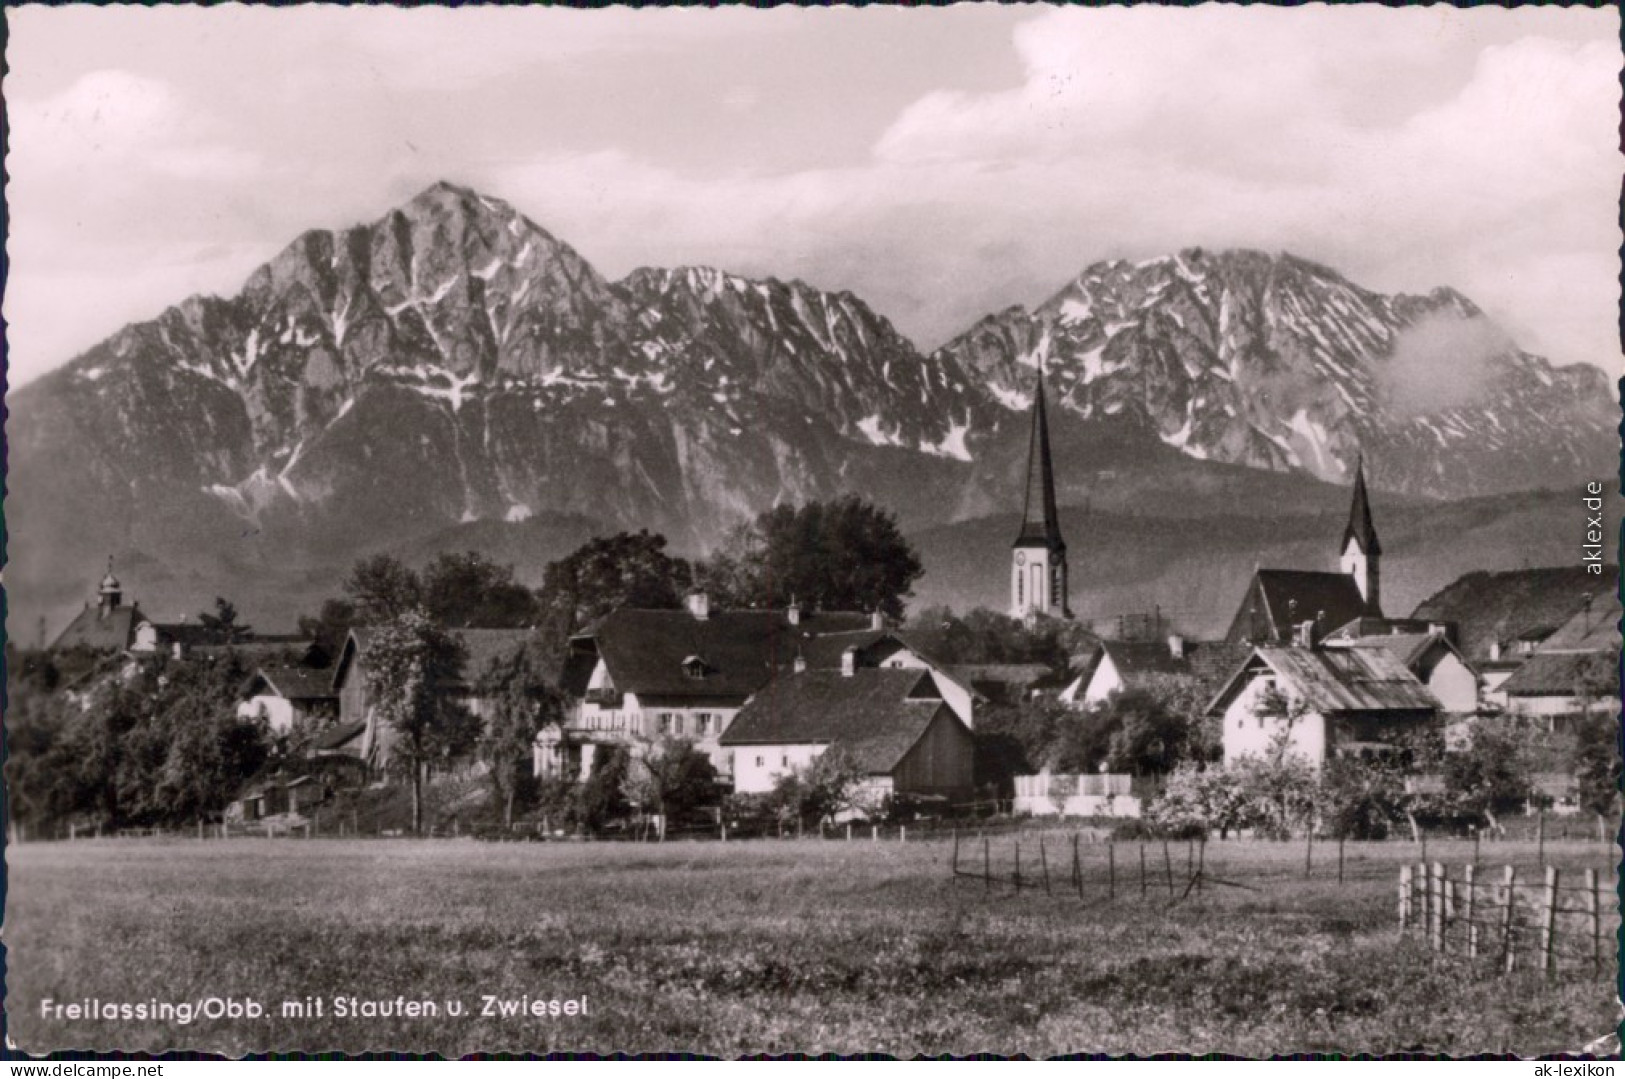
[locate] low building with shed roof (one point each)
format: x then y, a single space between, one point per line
1114 666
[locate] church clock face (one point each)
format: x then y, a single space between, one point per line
1021 556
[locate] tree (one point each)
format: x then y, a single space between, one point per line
1492 774
381 588
671 778
470 590
831 784
523 705
1202 800
331 625
1361 798
223 626
1597 762
602 797
847 554
410 660
985 636
624 570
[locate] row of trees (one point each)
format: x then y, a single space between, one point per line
150 744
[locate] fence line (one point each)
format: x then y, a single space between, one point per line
1505 921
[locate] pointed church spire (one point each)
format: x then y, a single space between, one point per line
1360 529
1039 520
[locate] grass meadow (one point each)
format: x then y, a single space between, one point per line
767 946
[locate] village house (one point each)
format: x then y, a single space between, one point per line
640 675
288 696
1574 671
1113 666
1353 701
893 723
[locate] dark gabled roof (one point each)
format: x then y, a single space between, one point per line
89 629
336 736
1338 680
1360 529
1040 522
1500 607
1209 663
1560 674
645 649
1289 596
295 683
876 715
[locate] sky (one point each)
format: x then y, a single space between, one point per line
941 164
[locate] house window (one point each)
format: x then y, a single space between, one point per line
668 723
784 761
761 761
702 723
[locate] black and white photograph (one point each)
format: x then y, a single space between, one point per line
1026 530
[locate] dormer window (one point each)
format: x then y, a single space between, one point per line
694 667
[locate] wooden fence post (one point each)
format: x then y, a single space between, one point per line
1548 923
1469 874
1510 887
1594 919
1540 832
1168 866
1477 835
1340 840
874 833
987 863
1142 868
1404 897
1309 851
1201 864
1043 862
849 831
956 850
1018 865
1436 895
1077 867
1111 872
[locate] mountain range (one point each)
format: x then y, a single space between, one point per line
453 375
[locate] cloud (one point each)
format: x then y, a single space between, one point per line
1442 361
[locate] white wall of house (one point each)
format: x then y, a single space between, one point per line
1248 734
278 711
1559 705
1454 684
1102 683
756 768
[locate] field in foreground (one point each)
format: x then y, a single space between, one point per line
762 947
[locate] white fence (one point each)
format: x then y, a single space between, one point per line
1104 794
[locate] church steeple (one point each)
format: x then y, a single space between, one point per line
1039 518
1361 550
1038 576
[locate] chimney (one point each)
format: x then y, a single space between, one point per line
792 613
699 604
1306 635
877 619
1495 651
849 661
1435 629
1176 646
